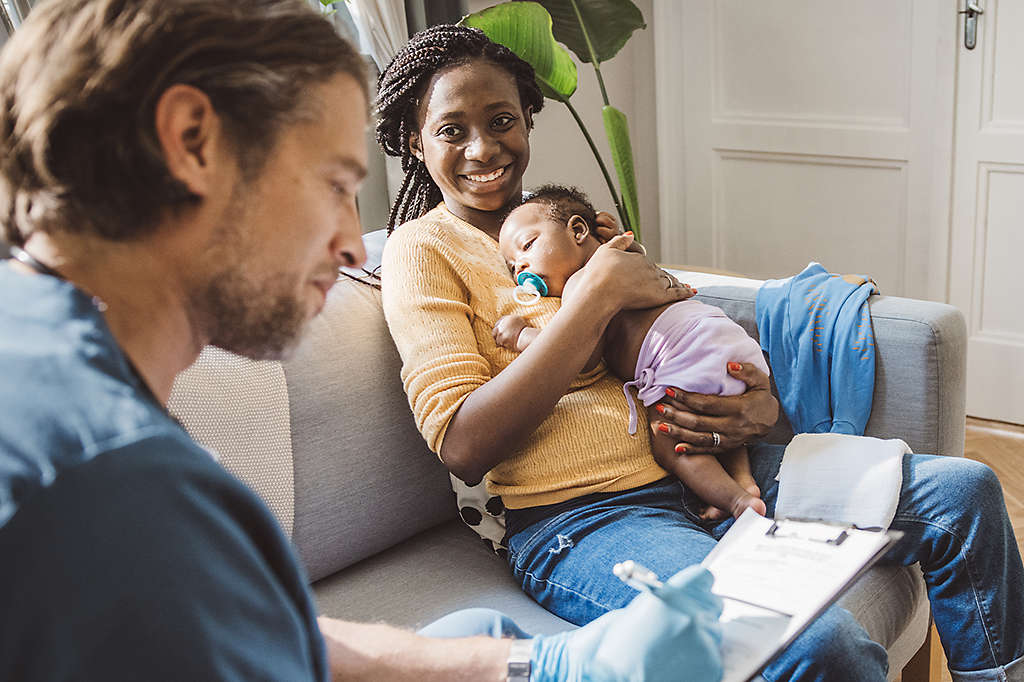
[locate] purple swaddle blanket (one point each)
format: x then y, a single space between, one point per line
688 347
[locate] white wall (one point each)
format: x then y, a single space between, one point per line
559 153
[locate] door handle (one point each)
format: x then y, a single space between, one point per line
971 24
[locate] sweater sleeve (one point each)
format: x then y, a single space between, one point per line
426 298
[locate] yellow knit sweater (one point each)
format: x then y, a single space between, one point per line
444 286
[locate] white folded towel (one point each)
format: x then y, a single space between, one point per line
841 478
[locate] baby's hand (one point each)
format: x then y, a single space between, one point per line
507 330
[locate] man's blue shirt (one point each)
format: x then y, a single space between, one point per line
126 551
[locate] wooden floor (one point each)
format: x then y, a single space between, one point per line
1001 446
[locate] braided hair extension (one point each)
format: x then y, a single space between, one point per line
404 82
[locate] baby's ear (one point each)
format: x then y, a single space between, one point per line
579 227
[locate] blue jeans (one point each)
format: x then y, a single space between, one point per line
951 511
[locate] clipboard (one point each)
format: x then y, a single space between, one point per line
776 576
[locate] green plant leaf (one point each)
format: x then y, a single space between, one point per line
525 28
609 23
617 128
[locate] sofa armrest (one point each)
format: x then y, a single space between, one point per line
920 366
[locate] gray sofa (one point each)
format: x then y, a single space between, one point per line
328 440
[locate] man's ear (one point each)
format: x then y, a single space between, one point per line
189 131
528 116
579 227
414 146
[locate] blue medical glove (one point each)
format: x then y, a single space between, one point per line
654 638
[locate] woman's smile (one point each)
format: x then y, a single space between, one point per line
485 178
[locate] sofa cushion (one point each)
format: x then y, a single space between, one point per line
364 478
439 571
238 409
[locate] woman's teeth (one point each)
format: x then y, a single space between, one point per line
493 175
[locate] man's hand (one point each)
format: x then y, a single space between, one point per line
691 420
654 638
507 330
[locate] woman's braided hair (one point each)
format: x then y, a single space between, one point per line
404 82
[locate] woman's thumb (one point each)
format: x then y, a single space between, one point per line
620 241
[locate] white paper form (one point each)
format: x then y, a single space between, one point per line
773 586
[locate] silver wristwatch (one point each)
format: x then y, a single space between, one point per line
519 660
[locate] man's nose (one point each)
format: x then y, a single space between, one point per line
347 246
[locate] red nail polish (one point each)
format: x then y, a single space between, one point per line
660 408
735 366
680 449
670 393
663 428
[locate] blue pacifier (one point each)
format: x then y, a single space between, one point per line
531 288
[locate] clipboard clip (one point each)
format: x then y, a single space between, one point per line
837 539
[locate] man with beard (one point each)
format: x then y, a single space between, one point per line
172 175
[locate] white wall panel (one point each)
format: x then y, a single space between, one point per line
1004 102
812 129
848 214
784 64
1000 234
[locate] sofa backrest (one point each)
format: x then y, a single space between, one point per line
333 416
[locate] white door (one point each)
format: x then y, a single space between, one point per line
987 236
800 130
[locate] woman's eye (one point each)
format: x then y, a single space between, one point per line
448 131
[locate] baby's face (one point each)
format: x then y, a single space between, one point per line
532 240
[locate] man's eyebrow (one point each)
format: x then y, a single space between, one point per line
351 165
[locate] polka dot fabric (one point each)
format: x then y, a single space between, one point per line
484 513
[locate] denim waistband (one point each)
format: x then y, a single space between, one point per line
517 520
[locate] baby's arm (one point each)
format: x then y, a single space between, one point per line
512 332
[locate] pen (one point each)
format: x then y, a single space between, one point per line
638 576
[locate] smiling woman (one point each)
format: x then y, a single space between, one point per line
476 152
404 129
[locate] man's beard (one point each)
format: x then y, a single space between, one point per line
259 321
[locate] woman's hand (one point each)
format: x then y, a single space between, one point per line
624 280
691 420
607 228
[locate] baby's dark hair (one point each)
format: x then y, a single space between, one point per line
404 82
563 202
